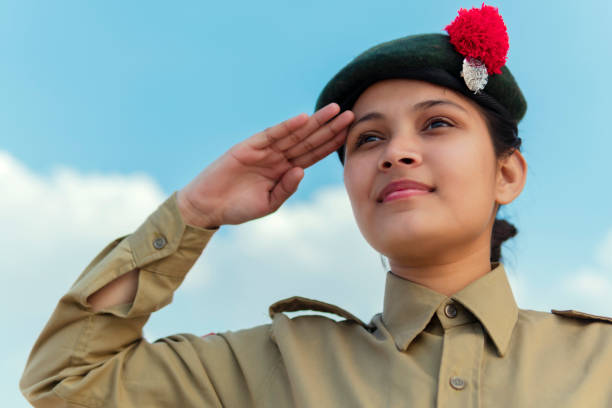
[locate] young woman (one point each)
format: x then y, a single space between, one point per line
430 148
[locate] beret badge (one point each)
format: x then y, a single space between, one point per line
479 35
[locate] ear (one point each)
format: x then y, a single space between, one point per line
511 177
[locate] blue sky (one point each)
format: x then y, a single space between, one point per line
130 100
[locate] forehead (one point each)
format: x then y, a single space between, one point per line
390 93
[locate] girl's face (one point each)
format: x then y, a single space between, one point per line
413 130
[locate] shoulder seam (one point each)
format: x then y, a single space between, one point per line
581 315
299 303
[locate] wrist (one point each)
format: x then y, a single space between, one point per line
190 214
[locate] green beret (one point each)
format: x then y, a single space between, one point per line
428 57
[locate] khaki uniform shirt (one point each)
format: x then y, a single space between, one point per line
475 349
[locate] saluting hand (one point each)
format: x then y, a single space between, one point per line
254 177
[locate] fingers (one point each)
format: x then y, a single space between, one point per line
316 121
308 159
285 187
270 135
323 135
286 134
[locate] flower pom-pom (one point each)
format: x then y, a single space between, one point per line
482 34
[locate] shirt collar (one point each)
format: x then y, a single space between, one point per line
409 307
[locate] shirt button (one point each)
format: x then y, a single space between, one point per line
450 310
160 242
457 383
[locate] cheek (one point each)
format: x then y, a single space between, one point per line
356 179
465 175
358 184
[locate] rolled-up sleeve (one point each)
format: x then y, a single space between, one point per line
83 358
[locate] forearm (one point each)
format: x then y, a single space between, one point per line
120 291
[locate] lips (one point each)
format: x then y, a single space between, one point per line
402 185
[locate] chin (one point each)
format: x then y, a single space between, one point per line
401 240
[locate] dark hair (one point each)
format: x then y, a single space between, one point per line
502 128
504 135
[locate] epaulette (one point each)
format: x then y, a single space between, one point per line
299 303
581 315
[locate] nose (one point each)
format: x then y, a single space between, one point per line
400 151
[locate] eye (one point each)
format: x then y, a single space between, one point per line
438 120
364 138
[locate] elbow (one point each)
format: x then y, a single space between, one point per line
60 389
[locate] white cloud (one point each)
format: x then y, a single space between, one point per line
589 283
586 288
54 225
589 288
604 252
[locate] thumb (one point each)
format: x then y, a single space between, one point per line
285 187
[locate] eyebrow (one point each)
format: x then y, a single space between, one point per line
419 106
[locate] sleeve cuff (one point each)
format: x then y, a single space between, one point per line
164 248
165 233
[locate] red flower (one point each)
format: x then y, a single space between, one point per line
481 33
